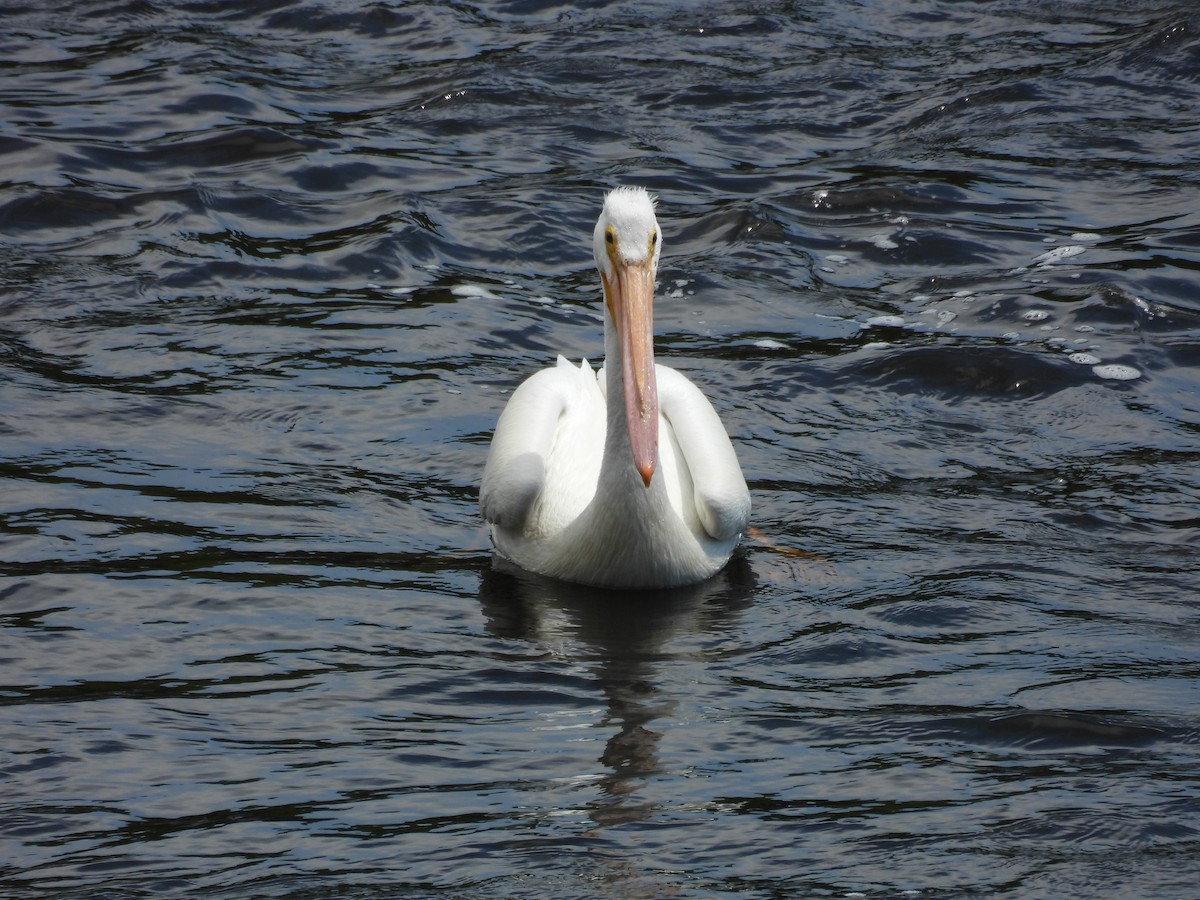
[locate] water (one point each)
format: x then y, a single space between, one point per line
269 273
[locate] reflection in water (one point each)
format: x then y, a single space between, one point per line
625 636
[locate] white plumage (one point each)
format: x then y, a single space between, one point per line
624 478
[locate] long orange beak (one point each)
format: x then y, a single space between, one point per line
631 300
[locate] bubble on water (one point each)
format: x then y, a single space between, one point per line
883 242
1084 359
1058 254
900 220
886 321
1084 329
1011 336
1086 236
770 344
1035 315
877 345
837 259
1116 372
945 315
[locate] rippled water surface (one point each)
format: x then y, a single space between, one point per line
268 273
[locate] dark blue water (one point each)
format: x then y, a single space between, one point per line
267 275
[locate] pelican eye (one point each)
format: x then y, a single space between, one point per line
609 236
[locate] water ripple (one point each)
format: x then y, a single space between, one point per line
269 272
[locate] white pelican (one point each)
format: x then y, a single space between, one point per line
625 478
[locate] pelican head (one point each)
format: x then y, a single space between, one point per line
626 244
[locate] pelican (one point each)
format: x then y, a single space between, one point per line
624 478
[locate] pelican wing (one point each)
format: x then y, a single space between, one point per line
528 439
721 497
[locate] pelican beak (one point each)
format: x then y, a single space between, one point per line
631 302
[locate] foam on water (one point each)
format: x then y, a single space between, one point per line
477 291
1059 254
1117 372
